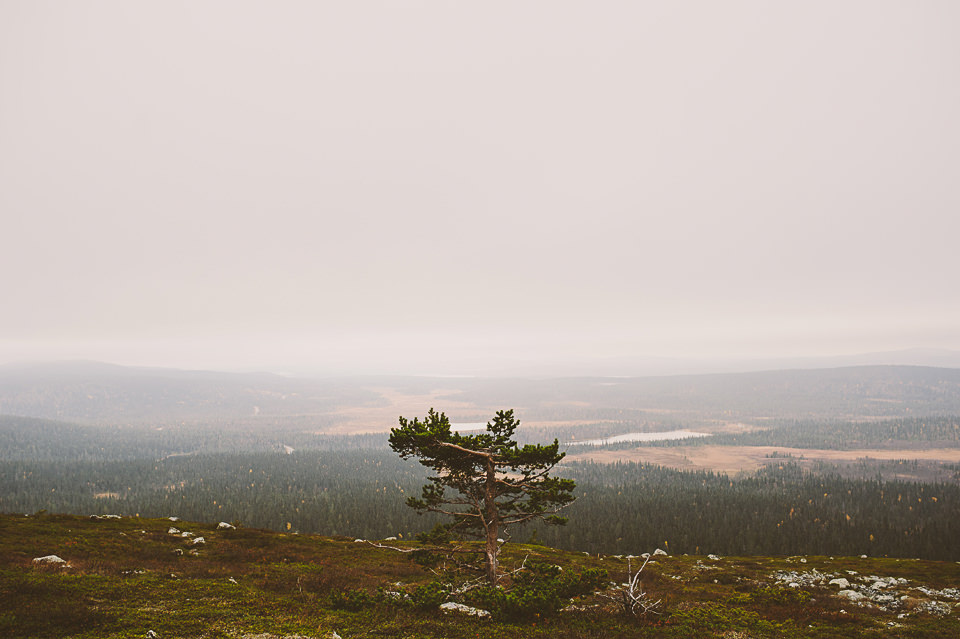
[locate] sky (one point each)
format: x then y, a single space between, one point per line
462 187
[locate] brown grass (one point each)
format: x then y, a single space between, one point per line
732 459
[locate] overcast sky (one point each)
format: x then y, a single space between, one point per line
458 186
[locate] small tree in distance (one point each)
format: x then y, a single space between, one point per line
494 481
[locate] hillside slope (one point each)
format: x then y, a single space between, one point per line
128 577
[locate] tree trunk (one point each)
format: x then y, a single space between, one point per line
492 522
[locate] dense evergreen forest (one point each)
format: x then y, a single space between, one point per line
621 508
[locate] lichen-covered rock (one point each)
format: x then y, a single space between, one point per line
452 606
852 595
840 583
51 560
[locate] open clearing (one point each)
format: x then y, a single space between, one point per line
381 418
732 459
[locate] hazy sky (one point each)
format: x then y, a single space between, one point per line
454 186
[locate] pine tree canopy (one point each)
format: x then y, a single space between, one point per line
494 481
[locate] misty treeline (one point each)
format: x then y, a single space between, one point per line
620 508
918 432
30 438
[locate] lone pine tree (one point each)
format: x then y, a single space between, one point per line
494 482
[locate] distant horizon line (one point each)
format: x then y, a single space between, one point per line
611 367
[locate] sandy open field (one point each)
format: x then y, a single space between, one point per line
732 459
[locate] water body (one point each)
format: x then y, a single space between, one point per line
640 437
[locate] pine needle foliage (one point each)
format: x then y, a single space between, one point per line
484 481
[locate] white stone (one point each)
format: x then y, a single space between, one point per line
659 552
852 595
713 558
198 540
840 583
186 534
358 541
173 531
173 518
390 539
225 526
49 559
467 610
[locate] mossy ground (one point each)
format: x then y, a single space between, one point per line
128 576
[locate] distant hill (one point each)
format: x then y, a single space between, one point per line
93 392
97 392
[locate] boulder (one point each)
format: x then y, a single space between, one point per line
198 540
225 526
50 560
659 552
451 606
852 595
713 558
173 531
840 583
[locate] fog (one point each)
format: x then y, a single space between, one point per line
461 188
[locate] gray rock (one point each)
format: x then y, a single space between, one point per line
852 595
49 559
451 606
840 583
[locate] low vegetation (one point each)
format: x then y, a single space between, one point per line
126 577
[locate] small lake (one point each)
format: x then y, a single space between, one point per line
640 437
